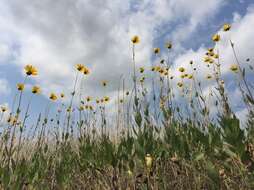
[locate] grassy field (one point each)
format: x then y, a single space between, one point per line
153 142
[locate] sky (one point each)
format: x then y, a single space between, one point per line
56 35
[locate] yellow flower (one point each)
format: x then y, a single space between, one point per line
157 68
3 108
156 50
234 68
80 67
97 101
86 71
153 68
208 77
88 98
87 107
226 27
106 98
104 83
161 71
135 39
180 84
68 109
142 80
216 56
169 45
182 76
20 86
141 69
30 70
148 161
36 90
210 50
211 61
91 108
181 69
190 76
206 59
216 37
81 108
53 96
62 95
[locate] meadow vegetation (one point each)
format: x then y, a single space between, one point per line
155 142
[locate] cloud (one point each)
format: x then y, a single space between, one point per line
4 87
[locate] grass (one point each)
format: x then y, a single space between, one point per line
157 142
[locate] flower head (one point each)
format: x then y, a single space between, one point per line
80 67
181 69
156 50
208 76
104 83
216 37
180 84
36 90
88 98
226 27
148 161
86 71
168 45
3 108
30 70
141 69
53 97
20 86
234 68
62 95
135 39
106 98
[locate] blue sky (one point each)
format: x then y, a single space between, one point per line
55 35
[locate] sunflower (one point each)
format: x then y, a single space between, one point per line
80 67
53 96
216 37
135 39
210 50
156 50
97 101
234 68
91 108
3 108
20 86
36 90
168 45
181 69
141 69
30 70
226 27
62 95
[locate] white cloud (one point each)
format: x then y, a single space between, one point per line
4 87
55 35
